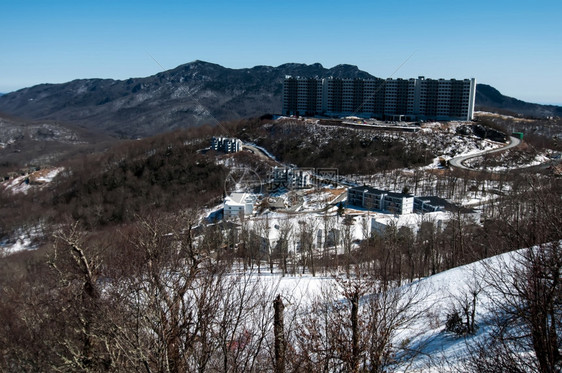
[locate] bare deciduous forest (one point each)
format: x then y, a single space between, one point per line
127 278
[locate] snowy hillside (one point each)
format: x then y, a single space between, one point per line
436 349
447 289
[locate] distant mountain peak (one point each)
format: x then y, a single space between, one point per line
291 65
489 98
191 94
345 66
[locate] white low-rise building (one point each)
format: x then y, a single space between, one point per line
239 204
380 222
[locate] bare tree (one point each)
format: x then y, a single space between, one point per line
426 244
327 226
285 233
241 324
464 305
187 312
264 230
54 316
358 332
279 335
347 241
527 304
525 286
88 342
306 234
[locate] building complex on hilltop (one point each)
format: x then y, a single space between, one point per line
387 99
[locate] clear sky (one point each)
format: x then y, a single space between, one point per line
515 46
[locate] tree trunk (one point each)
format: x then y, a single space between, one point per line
355 332
278 330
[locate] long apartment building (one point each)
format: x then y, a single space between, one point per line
391 202
302 96
414 99
376 199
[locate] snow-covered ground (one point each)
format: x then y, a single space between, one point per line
444 140
22 243
18 184
437 346
510 160
49 176
24 183
510 117
24 240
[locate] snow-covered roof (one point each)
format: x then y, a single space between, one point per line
239 199
412 220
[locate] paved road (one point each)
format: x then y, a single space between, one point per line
458 161
257 151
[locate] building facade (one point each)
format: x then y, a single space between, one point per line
290 178
388 99
443 99
302 96
381 200
238 205
227 145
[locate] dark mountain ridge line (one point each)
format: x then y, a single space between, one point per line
488 96
190 95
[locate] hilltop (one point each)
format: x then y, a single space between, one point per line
189 95
490 99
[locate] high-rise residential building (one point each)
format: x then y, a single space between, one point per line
302 96
446 98
418 99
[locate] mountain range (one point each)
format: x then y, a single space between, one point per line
193 94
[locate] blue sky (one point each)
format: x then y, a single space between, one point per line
516 46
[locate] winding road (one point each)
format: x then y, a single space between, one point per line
458 161
259 152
